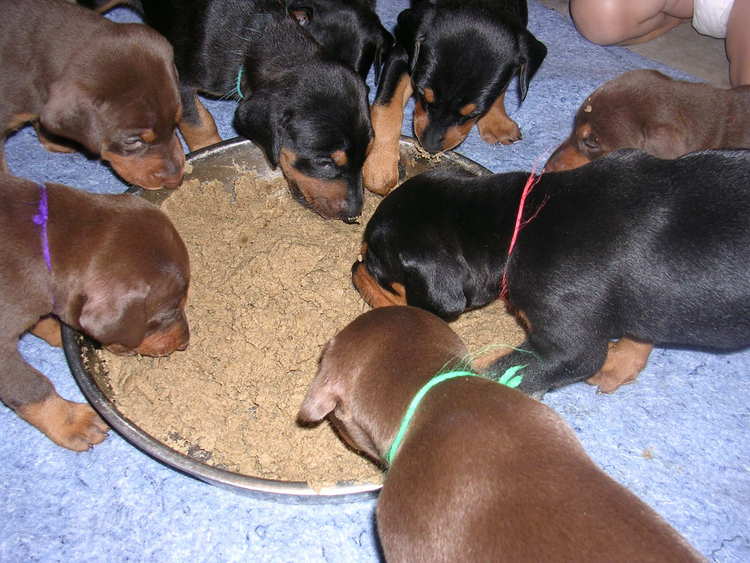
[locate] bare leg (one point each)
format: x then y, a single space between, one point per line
612 22
738 43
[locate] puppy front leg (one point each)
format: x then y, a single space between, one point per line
496 127
380 170
75 426
550 364
197 126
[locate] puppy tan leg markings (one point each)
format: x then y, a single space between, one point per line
75 426
48 329
626 358
496 127
202 134
373 293
380 171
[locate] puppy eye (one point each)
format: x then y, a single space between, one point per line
591 142
325 163
133 143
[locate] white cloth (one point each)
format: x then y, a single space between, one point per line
710 17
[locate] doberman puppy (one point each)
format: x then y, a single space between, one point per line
644 109
457 58
630 246
307 110
484 472
111 266
111 88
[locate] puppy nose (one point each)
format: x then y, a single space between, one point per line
432 141
172 173
171 182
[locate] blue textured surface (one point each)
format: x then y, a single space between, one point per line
678 437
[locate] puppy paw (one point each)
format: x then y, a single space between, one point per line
380 171
496 131
626 358
610 381
75 426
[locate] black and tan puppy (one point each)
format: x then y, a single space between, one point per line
633 247
484 472
109 88
111 266
644 109
304 107
457 58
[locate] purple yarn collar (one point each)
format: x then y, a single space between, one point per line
41 218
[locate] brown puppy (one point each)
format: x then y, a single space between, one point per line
644 109
111 88
484 473
111 266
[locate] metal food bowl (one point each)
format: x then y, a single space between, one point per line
218 162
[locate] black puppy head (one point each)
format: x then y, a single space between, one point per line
348 31
316 127
460 67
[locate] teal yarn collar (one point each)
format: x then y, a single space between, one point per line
510 379
238 84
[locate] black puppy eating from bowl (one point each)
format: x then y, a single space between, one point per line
629 247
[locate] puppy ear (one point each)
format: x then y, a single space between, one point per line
410 22
257 119
114 314
532 54
70 113
382 52
665 140
321 398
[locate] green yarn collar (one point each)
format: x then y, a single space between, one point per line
509 379
238 85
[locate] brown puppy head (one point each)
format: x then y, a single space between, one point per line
119 99
315 124
461 63
130 289
369 372
635 110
